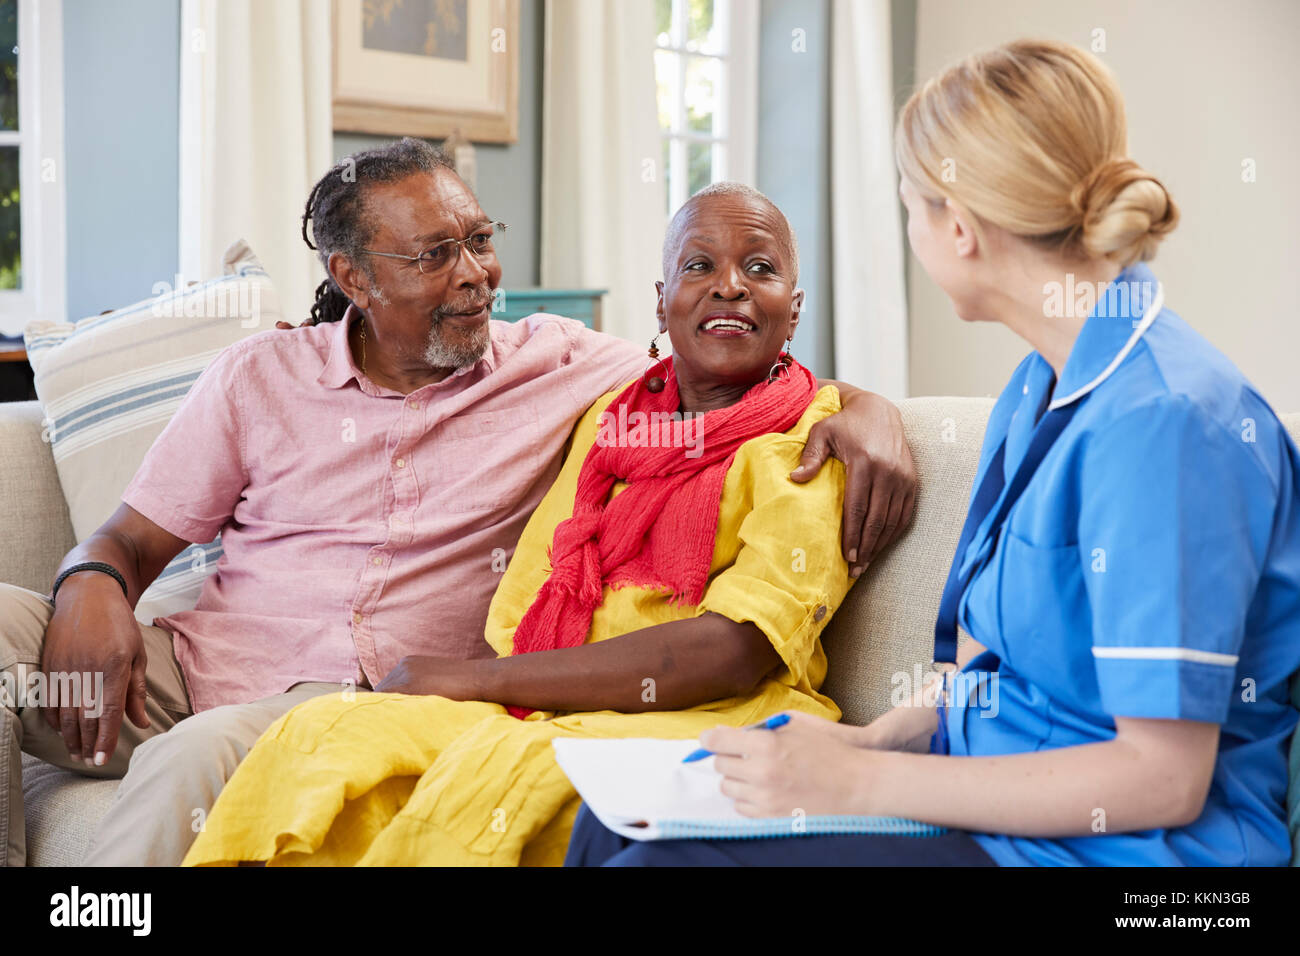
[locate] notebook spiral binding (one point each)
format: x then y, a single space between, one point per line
758 828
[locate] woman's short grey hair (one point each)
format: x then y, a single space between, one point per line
673 237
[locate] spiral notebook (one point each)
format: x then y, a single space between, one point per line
640 789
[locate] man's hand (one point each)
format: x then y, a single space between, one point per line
441 676
880 491
93 632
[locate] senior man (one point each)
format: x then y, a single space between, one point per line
369 475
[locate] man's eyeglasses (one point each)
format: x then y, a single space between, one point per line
443 256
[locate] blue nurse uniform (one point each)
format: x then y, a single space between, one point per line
1151 569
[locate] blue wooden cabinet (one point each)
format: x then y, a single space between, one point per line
511 305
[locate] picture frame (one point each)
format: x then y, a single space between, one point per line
427 67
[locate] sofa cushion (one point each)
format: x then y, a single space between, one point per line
111 382
63 809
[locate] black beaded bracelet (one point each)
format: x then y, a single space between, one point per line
91 566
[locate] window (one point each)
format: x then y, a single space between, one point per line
31 163
706 74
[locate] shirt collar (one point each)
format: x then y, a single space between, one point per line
1124 311
341 369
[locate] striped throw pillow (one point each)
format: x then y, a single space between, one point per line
110 383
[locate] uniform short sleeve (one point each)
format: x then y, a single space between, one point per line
789 576
195 472
1175 520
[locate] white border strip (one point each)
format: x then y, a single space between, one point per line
1147 318
39 138
1165 654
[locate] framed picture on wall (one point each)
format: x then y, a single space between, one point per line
427 67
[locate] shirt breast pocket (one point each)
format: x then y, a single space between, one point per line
1044 616
488 460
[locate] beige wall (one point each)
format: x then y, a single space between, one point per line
1207 84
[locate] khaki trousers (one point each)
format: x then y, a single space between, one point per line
174 769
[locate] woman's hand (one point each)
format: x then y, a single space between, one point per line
907 727
910 725
810 765
441 676
880 487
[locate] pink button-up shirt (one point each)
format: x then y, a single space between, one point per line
359 524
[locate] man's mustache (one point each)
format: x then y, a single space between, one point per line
471 303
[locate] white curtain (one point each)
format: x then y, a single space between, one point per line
866 226
603 196
256 133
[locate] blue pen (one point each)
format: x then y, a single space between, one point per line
772 723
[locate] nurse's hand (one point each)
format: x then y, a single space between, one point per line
808 767
909 725
904 728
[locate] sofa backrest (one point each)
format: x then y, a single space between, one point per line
886 625
35 530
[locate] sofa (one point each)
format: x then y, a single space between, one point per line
883 629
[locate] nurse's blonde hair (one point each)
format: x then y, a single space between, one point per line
1031 137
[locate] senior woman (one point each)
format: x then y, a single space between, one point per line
1129 573
673 577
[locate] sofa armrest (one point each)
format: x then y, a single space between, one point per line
34 524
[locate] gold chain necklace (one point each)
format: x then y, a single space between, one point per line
363 346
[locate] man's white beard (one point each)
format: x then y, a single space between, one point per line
439 353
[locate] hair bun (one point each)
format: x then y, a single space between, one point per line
1123 212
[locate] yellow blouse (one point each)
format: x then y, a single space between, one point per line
396 779
777 560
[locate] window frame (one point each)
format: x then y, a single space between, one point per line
737 96
39 139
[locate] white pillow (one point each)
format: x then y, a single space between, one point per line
110 383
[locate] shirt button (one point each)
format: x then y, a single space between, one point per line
1025 390
400 463
820 612
377 560
356 618
415 406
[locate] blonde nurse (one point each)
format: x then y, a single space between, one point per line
1130 567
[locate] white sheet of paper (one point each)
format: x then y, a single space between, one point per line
642 780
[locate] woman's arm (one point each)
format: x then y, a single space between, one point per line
669 666
1154 773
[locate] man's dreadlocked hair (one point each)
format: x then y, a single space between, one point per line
336 210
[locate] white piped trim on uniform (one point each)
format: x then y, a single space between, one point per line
1147 318
1166 654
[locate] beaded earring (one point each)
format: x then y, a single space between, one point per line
782 363
655 383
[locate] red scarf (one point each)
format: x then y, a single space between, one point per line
659 532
